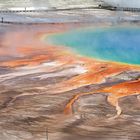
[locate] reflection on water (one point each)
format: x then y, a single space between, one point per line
113 44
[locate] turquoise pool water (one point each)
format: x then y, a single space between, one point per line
117 44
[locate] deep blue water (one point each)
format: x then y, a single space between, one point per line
119 44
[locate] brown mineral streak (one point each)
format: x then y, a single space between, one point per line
116 92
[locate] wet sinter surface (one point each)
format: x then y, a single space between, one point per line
49 91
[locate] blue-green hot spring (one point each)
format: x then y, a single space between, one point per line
118 44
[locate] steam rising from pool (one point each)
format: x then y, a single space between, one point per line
117 44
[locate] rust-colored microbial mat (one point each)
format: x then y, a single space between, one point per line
50 91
